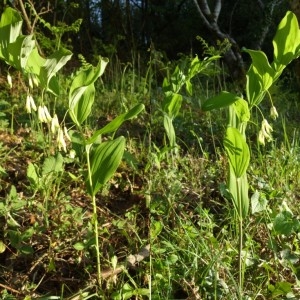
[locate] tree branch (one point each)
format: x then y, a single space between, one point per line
202 17
204 7
26 18
217 10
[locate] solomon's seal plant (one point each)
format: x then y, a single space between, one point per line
260 77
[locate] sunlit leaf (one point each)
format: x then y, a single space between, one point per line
20 50
32 174
286 40
242 110
258 202
222 100
170 131
2 246
237 151
53 164
172 104
79 246
81 94
104 162
51 66
10 29
261 64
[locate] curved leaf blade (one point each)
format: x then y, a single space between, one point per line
222 100
104 162
81 94
237 151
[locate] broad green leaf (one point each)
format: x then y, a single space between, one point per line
53 164
177 80
172 104
238 188
286 40
224 99
79 103
104 162
242 110
117 122
254 87
35 63
32 175
199 66
19 51
237 151
52 65
83 108
261 64
10 29
170 131
280 289
258 202
285 223
189 87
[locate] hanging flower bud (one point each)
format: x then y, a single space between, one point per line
54 124
61 143
261 138
273 113
30 104
9 80
30 81
41 114
265 132
266 129
34 80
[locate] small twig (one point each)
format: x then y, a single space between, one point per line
26 18
9 289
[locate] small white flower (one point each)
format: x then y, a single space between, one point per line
30 104
273 113
30 81
266 129
41 114
9 80
34 80
265 132
61 143
261 138
47 115
54 124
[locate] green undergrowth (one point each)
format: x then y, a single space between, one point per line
154 217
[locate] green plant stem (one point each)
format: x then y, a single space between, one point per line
95 223
241 274
95 218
